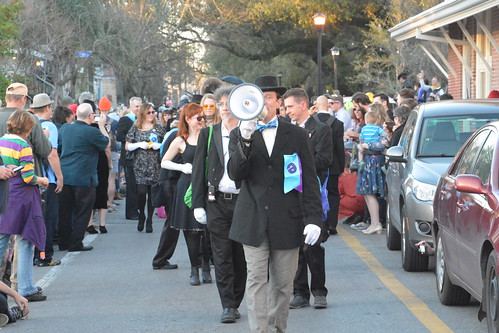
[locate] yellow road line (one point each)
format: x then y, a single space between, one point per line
411 301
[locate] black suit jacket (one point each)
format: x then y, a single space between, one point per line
215 165
338 145
262 209
322 145
124 125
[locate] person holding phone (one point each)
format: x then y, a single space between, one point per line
23 216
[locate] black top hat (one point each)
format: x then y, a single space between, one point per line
269 83
196 99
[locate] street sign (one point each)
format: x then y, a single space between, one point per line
83 54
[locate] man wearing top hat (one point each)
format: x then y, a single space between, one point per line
16 97
279 194
42 107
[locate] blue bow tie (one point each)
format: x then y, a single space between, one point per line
261 127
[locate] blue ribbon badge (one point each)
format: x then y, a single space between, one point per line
153 138
292 173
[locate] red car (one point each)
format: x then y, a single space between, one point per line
466 226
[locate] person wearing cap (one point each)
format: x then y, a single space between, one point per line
80 147
16 98
268 222
336 108
42 107
217 211
124 125
312 256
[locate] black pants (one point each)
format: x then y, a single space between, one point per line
334 202
131 200
51 215
311 256
75 209
228 255
4 306
169 236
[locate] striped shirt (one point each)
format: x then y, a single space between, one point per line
16 151
371 134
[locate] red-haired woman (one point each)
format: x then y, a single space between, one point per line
191 121
144 138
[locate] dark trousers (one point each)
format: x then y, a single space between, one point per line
75 209
311 256
334 202
228 256
51 215
169 236
131 200
143 197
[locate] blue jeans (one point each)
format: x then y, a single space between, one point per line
25 251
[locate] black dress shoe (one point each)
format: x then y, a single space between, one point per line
83 248
135 217
103 229
228 316
236 312
149 226
167 265
91 230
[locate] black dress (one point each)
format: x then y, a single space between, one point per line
183 216
103 177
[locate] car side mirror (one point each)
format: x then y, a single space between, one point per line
396 154
470 184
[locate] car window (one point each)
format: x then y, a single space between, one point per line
443 136
465 163
410 124
484 160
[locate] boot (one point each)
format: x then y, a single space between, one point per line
149 225
195 276
140 225
206 273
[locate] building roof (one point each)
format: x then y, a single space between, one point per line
444 13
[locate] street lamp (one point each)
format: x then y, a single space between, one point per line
319 22
335 52
279 77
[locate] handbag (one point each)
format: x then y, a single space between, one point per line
188 193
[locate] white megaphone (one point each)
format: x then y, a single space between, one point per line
246 101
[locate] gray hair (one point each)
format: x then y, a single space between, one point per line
134 99
86 96
83 111
402 113
221 92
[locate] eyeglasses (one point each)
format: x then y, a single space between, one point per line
151 112
222 104
200 118
208 107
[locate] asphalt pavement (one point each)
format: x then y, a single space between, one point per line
113 288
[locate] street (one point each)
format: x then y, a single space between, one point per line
114 289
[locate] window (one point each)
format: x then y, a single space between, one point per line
484 160
405 140
465 162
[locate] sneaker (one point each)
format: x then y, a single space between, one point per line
36 297
320 302
299 302
44 263
4 319
16 314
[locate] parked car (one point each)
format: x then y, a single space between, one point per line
433 134
466 226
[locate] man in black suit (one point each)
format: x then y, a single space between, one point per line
269 215
296 103
214 197
338 162
124 125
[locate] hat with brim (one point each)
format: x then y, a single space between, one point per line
269 83
41 100
18 89
232 80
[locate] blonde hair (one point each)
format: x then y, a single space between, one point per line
370 118
216 116
380 112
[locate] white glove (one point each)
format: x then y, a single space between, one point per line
185 168
247 127
156 146
134 146
312 233
200 215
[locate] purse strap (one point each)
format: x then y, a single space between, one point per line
207 152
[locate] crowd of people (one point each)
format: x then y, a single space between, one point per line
254 198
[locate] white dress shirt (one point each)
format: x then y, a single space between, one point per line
268 135
226 184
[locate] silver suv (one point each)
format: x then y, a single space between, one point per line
432 136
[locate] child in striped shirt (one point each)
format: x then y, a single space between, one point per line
370 134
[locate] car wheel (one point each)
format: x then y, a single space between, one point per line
448 293
392 234
412 260
492 294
